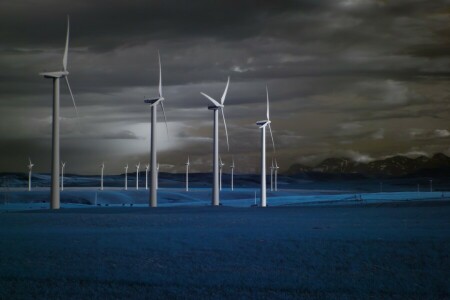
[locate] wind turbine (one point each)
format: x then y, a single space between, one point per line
63 164
262 125
101 180
272 168
30 169
232 174
187 175
146 176
157 176
126 177
276 175
55 199
137 175
215 108
153 201
221 165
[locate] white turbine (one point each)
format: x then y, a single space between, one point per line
221 165
232 174
126 177
272 168
276 175
215 108
137 175
146 176
187 175
55 197
153 198
101 180
63 164
30 170
157 176
262 125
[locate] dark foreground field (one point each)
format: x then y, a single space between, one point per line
385 251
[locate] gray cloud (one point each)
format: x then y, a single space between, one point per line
383 65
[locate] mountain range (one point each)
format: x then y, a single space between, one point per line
437 165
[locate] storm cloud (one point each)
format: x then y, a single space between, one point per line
345 77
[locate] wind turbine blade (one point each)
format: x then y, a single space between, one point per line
29 159
66 50
271 135
212 100
160 76
222 100
73 99
267 114
165 119
226 131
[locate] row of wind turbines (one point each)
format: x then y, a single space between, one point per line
273 175
153 103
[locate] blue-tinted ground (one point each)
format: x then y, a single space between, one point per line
367 251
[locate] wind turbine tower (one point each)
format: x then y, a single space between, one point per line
153 201
101 180
126 177
63 164
276 175
187 175
30 169
157 176
137 175
262 125
271 175
146 176
56 76
215 108
232 174
221 165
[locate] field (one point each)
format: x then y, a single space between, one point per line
393 250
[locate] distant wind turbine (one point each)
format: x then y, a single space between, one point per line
215 107
137 175
153 201
30 170
63 164
55 197
262 125
187 175
276 175
232 174
272 168
157 176
101 180
126 177
146 176
221 165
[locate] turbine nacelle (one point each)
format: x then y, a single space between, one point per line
263 123
56 74
154 101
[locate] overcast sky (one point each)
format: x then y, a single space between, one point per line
358 78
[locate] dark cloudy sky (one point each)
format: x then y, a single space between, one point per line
357 78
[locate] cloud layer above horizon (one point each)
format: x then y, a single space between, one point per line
356 78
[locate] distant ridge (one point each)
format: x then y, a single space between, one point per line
395 166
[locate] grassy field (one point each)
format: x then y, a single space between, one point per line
382 251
